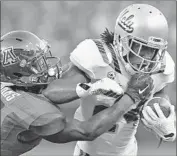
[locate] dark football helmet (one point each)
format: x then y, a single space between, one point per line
26 60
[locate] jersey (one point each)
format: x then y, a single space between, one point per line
97 61
20 111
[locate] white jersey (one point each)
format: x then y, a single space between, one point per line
94 58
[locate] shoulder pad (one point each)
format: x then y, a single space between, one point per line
87 57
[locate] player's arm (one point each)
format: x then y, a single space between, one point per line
103 121
95 126
71 87
64 90
86 62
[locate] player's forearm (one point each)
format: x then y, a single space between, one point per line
103 121
64 93
64 90
98 124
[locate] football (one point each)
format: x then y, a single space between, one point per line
163 103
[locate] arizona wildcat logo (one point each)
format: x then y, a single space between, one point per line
9 57
126 22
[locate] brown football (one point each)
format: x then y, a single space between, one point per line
163 103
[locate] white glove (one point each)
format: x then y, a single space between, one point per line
104 86
164 127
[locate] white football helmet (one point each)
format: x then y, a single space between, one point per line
140 38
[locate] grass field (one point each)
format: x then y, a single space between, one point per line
147 143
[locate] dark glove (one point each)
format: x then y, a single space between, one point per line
131 116
140 87
134 114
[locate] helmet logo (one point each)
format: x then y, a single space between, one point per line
9 57
126 22
111 75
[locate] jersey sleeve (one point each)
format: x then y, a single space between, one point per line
31 110
87 57
161 80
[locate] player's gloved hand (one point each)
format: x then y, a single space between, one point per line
104 86
132 115
164 127
140 87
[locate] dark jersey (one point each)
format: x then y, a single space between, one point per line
21 113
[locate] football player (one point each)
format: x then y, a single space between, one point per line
138 45
27 66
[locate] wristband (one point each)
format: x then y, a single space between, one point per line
82 90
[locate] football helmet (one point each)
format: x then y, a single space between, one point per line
140 38
27 60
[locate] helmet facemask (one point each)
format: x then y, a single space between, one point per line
139 55
46 68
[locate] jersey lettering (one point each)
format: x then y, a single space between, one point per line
8 94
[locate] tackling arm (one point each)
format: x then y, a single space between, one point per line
101 122
64 90
95 126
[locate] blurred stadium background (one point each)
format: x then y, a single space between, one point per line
64 25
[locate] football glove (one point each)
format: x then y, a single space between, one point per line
140 87
106 86
132 115
164 127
